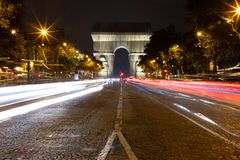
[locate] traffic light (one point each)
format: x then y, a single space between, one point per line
121 74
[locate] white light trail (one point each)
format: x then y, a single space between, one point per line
205 101
184 95
34 106
23 88
41 93
181 107
205 118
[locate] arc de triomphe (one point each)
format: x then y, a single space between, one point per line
109 37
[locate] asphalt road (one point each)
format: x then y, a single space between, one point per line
120 122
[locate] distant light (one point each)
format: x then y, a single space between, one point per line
238 10
65 44
199 34
153 61
13 31
44 32
18 68
121 74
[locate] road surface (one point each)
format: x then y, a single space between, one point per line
116 121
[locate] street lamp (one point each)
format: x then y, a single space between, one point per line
233 18
64 44
44 32
199 33
238 10
13 31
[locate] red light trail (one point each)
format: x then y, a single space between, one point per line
224 91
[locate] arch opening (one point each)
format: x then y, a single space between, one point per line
121 62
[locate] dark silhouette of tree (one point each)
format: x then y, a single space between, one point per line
12 41
217 41
158 56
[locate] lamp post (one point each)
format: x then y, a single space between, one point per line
42 32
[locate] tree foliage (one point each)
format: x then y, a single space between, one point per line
158 50
217 41
10 12
11 45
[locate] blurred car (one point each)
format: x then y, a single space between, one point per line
21 75
6 73
233 71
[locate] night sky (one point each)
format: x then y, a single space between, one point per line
76 17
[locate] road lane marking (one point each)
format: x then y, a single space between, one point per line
117 132
103 154
193 121
181 107
205 101
205 118
200 125
184 95
126 146
200 115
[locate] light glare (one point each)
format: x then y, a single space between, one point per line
34 106
44 32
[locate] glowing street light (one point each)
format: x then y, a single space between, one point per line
235 10
65 44
153 61
13 31
199 33
238 10
233 18
44 32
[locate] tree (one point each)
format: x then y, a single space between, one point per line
216 40
12 42
65 53
194 60
8 12
158 49
176 53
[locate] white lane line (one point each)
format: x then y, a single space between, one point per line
205 101
200 115
199 125
126 146
181 107
103 154
117 132
205 118
184 95
195 122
